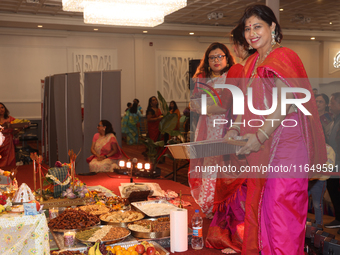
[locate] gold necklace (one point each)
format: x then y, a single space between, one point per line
253 74
215 75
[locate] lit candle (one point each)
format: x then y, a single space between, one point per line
53 212
69 238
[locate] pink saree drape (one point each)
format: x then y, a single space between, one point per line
274 205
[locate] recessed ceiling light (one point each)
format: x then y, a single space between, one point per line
281 10
95 29
330 23
40 26
312 38
145 32
192 33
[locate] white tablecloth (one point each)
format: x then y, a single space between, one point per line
20 234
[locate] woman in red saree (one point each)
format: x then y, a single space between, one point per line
7 149
276 206
154 116
226 229
212 70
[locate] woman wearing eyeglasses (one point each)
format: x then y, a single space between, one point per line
105 149
212 70
231 195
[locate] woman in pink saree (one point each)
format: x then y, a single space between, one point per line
276 204
105 149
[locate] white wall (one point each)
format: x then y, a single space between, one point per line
27 58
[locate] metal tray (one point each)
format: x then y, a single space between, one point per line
105 242
148 235
138 206
207 148
125 245
118 224
75 229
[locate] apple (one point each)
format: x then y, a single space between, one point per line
37 204
151 251
140 249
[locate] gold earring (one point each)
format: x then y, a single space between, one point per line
250 48
227 65
209 68
273 38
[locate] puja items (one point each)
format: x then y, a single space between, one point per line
117 203
73 219
23 194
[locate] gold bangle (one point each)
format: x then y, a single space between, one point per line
237 127
264 133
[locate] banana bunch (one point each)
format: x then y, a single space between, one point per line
2 208
19 121
94 250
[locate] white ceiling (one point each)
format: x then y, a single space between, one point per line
300 19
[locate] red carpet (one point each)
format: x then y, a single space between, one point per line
25 175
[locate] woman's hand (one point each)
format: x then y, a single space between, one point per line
231 134
101 157
252 145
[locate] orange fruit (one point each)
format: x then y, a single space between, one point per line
134 253
117 248
131 249
119 252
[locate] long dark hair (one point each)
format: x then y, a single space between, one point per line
203 68
6 115
326 98
266 14
237 38
175 106
108 125
149 109
134 108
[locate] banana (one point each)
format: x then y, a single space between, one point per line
97 250
92 250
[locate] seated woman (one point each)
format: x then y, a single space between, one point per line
7 149
105 149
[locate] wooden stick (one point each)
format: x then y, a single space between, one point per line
41 186
34 157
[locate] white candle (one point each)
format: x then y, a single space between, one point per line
69 239
53 212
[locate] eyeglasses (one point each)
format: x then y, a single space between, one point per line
100 126
219 57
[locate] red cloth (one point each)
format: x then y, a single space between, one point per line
226 229
284 64
7 149
153 126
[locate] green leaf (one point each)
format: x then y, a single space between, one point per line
163 104
168 123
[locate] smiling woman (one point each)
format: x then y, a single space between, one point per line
276 205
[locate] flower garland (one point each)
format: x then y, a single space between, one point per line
55 179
